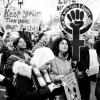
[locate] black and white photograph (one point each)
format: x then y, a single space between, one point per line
49 49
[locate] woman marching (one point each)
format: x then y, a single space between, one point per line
61 65
19 53
31 80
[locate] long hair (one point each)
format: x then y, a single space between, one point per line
55 48
15 42
27 37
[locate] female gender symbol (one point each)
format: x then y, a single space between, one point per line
75 14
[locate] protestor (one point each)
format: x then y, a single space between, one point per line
88 59
41 42
52 35
82 75
18 53
25 85
6 48
27 37
61 65
47 38
31 84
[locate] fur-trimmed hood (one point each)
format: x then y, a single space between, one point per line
22 68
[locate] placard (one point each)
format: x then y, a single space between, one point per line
71 87
17 19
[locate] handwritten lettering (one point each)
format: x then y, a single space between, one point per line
11 27
19 19
30 13
29 27
64 1
17 13
86 10
8 20
23 21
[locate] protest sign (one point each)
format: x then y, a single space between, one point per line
63 3
71 87
17 19
54 22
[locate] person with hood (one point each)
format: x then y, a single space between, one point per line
30 83
19 53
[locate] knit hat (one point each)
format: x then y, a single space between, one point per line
42 56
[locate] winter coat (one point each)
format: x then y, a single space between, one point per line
15 56
83 79
25 88
60 67
5 54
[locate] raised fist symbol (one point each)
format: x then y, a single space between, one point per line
74 14
76 19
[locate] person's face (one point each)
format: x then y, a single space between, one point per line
91 40
63 46
44 39
21 43
54 37
9 43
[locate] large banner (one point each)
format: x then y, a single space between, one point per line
54 22
17 19
71 87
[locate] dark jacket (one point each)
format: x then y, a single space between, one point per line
83 79
15 56
5 55
97 89
25 89
83 64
